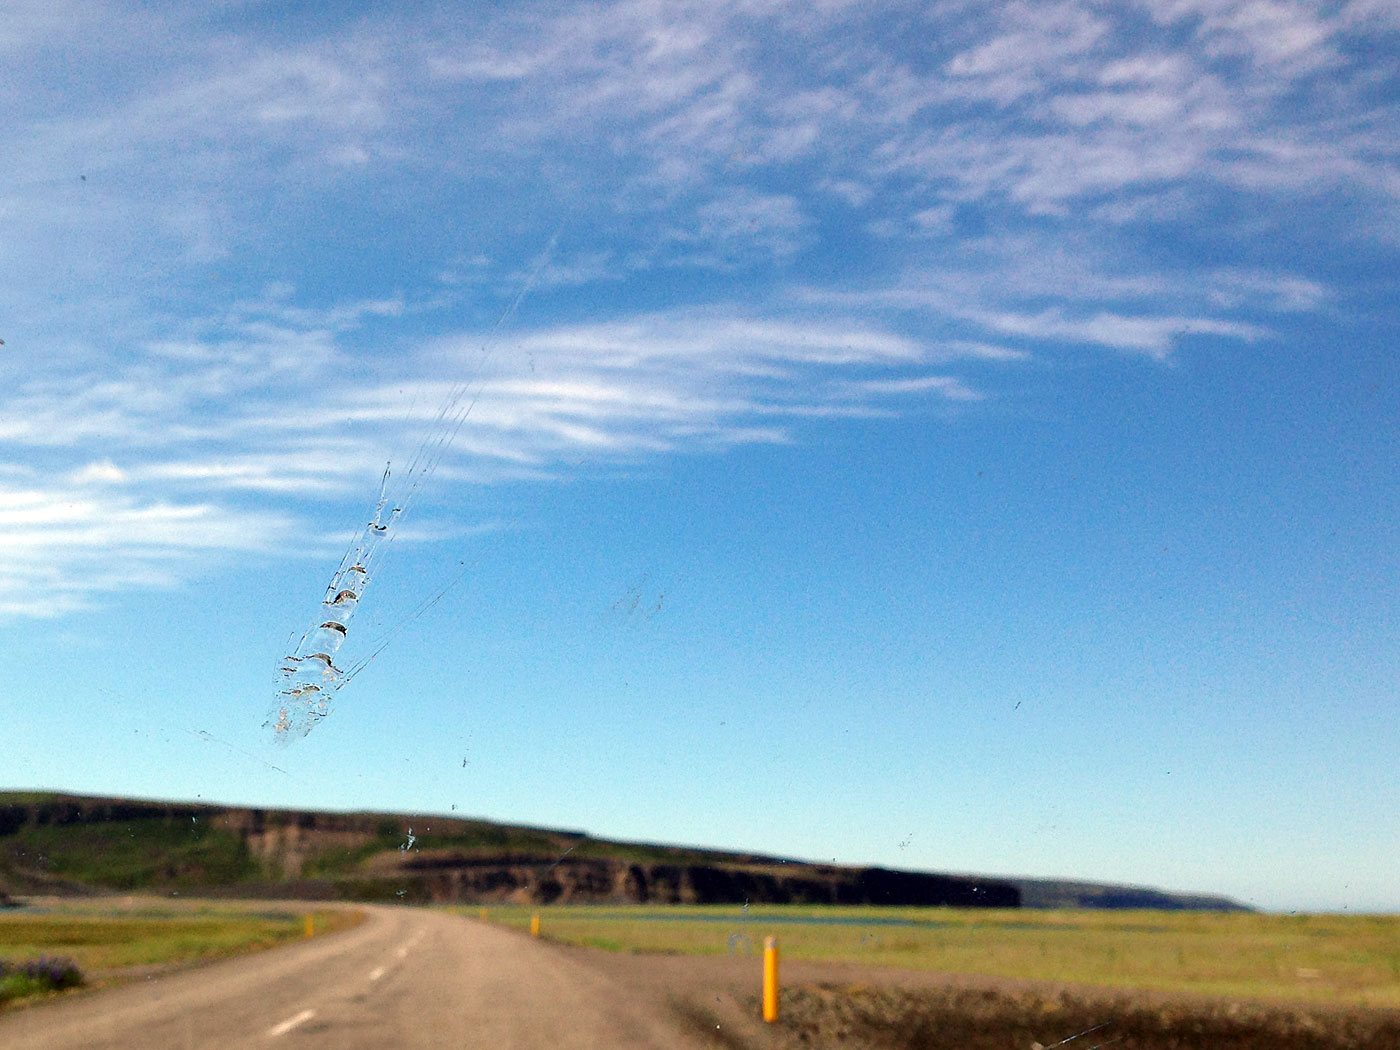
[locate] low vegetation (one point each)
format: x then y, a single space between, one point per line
1312 958
133 854
469 838
36 977
65 944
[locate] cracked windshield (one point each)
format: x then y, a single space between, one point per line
657 524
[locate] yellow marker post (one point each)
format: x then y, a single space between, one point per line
309 925
534 925
770 979
483 914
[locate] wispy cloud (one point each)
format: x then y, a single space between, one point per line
947 386
1041 292
191 430
61 550
249 267
740 226
1153 335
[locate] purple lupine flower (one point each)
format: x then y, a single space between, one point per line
55 971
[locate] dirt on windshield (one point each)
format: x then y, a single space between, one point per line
852 1007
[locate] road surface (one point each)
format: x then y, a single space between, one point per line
404 978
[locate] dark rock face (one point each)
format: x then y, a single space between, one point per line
596 880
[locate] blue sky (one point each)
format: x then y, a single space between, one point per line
955 436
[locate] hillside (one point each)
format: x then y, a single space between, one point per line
68 844
1058 893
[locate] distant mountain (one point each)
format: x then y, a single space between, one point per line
72 844
1058 893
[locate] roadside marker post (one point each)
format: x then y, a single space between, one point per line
309 924
534 925
483 914
770 979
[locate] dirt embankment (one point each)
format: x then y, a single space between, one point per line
995 1019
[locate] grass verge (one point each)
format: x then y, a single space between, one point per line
1309 958
113 941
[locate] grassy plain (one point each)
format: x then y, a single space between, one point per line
113 940
1308 958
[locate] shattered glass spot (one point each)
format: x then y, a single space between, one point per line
308 676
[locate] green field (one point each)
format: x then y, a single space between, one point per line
470 838
111 942
1314 958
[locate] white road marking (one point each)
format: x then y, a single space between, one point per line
376 973
290 1023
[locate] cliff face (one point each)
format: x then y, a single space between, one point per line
601 880
70 844
73 844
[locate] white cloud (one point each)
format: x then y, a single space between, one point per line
1039 293
580 268
1037 38
948 386
1054 109
195 428
1277 35
854 193
721 341
61 554
1002 185
98 472
1152 335
1279 291
1366 13
482 63
196 423
740 226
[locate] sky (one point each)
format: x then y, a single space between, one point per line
953 437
